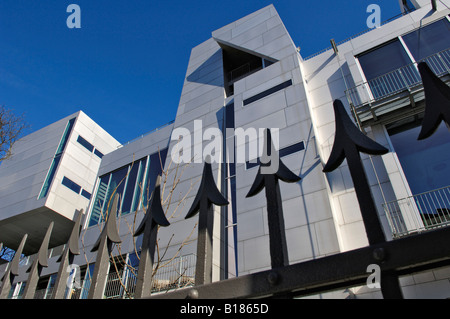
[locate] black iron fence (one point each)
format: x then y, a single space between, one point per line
407 255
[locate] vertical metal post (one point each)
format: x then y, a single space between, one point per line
66 259
154 217
348 143
12 270
40 262
103 246
277 235
207 195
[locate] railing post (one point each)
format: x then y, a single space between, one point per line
207 195
40 262
66 259
12 270
154 217
277 234
103 245
348 142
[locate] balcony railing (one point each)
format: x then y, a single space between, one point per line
172 274
419 213
404 79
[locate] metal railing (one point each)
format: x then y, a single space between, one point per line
419 212
356 35
171 274
242 71
402 79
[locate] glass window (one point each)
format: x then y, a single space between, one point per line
131 183
98 153
126 181
54 165
85 143
139 186
65 138
429 39
384 59
97 207
72 185
154 170
86 194
426 163
116 186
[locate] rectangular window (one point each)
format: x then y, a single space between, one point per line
428 40
85 143
267 92
297 147
56 159
153 171
97 208
388 69
85 194
98 153
71 184
384 59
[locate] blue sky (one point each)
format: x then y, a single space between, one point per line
126 65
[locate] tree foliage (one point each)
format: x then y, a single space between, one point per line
11 128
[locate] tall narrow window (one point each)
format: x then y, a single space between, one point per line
129 182
155 167
56 159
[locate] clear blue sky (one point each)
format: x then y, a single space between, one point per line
126 65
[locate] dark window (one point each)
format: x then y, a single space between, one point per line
429 39
86 194
54 165
72 185
98 153
426 163
267 92
85 143
384 59
129 192
297 147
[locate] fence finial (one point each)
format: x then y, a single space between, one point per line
149 227
66 258
207 195
40 262
103 246
13 270
437 98
277 234
348 143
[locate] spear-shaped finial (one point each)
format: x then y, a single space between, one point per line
66 259
437 97
277 234
207 195
38 264
109 235
13 270
149 227
349 141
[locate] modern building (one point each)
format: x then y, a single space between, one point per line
247 77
